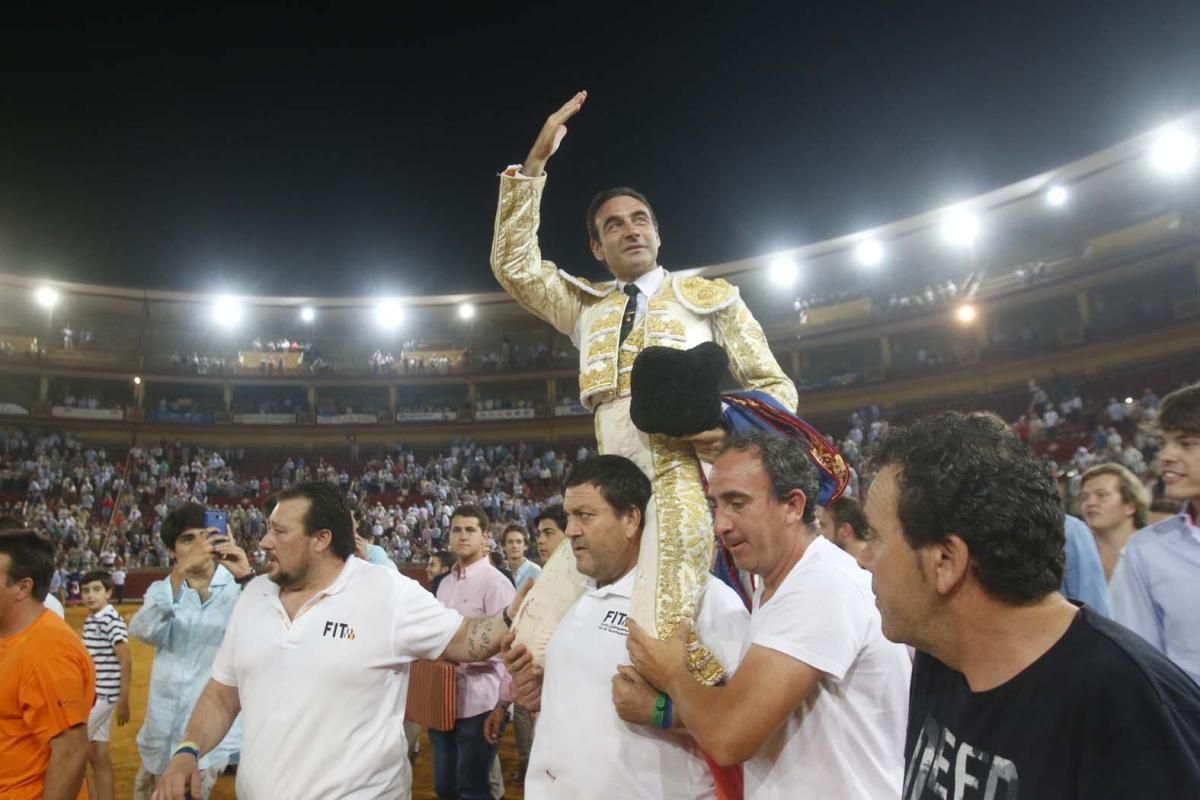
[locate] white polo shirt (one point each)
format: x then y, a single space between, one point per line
846 740
581 748
323 695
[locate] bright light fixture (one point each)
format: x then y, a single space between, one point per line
869 253
137 381
388 313
966 313
308 314
466 311
46 297
227 311
1057 196
1173 151
783 271
960 227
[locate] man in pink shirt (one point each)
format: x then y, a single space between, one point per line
463 757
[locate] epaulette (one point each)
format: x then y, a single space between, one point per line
704 295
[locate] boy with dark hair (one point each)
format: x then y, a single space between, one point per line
107 641
184 617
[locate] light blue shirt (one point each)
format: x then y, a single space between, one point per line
1083 574
527 570
1156 589
187 634
377 555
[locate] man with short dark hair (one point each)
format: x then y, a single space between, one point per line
842 522
584 748
317 656
462 757
612 323
184 617
1156 585
515 543
440 564
47 681
966 555
551 526
817 706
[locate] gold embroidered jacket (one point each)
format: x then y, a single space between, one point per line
683 313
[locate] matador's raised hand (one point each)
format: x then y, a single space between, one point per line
551 136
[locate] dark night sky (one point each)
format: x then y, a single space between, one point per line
285 151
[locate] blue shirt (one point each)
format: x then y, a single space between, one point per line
377 555
1083 575
527 570
1156 589
187 634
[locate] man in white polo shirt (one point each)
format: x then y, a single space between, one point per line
316 660
583 748
818 705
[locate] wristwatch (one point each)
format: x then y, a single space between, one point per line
249 576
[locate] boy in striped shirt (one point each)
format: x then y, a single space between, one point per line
107 640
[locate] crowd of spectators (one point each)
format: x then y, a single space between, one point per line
96 504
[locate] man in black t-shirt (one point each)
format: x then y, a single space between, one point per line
1016 692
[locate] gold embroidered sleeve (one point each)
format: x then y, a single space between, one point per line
517 260
750 358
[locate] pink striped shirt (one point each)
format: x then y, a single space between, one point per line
480 590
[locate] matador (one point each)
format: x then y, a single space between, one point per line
611 323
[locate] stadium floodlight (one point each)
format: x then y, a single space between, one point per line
227 311
388 313
466 311
308 314
960 227
46 297
783 271
137 381
1173 151
1057 196
966 313
869 253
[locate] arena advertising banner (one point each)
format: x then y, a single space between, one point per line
506 413
70 412
347 419
182 417
426 416
265 419
573 410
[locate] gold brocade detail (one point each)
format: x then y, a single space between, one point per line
662 325
591 287
750 358
594 379
704 294
632 347
685 547
605 322
602 347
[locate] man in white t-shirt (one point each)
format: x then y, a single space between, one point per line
818 706
596 736
316 658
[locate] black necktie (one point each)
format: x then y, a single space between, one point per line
631 291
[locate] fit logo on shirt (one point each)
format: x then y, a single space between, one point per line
337 630
615 622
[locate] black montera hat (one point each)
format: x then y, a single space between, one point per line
678 392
